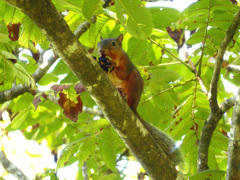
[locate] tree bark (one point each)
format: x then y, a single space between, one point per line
11 168
129 128
233 168
216 111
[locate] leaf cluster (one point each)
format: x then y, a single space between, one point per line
173 100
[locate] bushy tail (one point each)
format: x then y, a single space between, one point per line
164 141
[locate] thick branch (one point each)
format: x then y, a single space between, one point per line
233 168
207 132
67 46
216 111
11 168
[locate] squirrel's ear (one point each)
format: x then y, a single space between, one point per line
120 39
101 38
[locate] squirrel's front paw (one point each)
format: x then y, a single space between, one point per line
106 64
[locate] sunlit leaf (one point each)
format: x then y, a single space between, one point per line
134 17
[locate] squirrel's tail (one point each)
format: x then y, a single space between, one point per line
164 141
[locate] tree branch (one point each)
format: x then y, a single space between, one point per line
21 89
83 27
39 73
173 55
84 171
233 68
168 89
11 168
233 168
130 129
216 111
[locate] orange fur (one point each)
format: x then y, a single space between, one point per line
125 75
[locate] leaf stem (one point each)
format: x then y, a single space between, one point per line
204 42
159 65
165 90
173 55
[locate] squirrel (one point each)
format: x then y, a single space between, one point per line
128 81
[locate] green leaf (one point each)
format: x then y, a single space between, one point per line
217 35
17 70
221 19
89 7
4 38
219 141
154 54
134 17
197 37
193 153
31 66
208 174
160 20
196 15
31 33
58 141
47 79
111 177
182 128
23 75
189 141
70 78
19 119
107 150
12 15
132 45
86 149
73 19
160 79
9 73
69 151
6 55
66 154
61 68
69 5
45 130
21 102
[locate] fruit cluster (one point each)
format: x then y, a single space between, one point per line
105 63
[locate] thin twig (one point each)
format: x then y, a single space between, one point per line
165 90
203 87
159 65
194 100
177 58
204 41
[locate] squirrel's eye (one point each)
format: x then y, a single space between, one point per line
113 44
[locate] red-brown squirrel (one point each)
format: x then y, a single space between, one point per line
127 79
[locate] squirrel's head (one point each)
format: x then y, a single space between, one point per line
111 47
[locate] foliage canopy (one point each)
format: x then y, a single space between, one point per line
175 97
